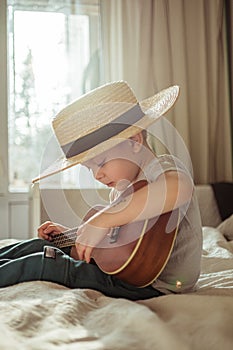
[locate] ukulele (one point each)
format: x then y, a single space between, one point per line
135 253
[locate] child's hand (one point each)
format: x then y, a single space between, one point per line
47 228
88 237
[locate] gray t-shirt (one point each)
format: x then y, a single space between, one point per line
183 267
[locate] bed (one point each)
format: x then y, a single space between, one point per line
44 315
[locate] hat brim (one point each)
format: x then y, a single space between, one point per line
153 107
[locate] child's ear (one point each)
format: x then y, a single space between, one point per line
137 142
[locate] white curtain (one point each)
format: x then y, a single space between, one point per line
157 43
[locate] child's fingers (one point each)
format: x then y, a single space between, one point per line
43 235
84 252
41 229
44 225
80 250
87 253
52 228
45 230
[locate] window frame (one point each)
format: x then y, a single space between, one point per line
82 7
4 171
19 211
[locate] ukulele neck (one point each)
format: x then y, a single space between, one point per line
65 239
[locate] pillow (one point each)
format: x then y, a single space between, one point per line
208 206
226 228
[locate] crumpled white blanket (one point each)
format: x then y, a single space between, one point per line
43 315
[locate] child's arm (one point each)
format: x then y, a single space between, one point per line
170 191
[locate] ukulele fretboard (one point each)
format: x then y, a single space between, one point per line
65 239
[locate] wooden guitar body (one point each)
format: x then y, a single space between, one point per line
139 261
135 253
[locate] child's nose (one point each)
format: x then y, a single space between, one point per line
97 172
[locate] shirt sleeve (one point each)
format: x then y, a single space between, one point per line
163 164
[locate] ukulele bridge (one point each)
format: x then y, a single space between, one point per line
114 234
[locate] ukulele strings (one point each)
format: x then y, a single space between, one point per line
65 239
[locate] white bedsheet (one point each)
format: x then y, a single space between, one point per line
42 315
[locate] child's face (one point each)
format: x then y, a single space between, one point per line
117 167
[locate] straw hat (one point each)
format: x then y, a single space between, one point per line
103 118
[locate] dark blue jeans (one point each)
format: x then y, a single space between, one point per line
37 259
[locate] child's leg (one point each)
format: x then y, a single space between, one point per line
55 266
24 248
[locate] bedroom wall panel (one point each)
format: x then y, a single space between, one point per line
14 216
19 219
4 217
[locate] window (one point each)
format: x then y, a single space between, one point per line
53 57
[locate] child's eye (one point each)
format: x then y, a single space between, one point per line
100 164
